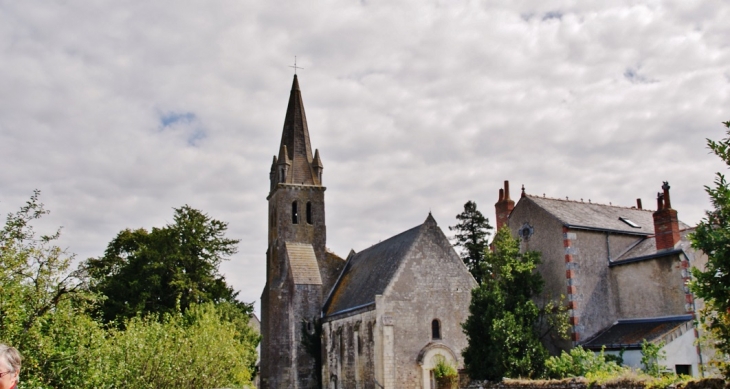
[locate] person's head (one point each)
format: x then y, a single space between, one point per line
9 366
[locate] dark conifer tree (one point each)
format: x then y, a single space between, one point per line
472 235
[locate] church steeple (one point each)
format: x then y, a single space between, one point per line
298 268
295 137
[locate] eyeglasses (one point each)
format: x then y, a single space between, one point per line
6 373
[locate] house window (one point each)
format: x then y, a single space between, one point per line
309 212
294 213
435 329
683 369
629 222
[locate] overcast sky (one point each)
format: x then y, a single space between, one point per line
119 111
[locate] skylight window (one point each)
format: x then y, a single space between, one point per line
629 222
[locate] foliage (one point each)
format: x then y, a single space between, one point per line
196 349
41 298
553 318
651 354
712 236
578 363
164 270
43 312
627 377
501 327
618 359
444 369
472 233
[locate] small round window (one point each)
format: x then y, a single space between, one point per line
526 231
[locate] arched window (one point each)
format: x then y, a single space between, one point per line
309 212
435 329
294 213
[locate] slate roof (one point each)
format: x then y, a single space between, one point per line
369 272
630 333
646 249
592 216
303 264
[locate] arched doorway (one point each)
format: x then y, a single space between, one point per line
429 356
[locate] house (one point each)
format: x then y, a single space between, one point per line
379 319
622 270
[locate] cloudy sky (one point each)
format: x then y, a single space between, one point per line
119 111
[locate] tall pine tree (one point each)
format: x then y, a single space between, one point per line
472 233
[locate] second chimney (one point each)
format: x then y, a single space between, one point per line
504 206
666 223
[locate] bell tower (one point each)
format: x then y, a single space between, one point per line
296 256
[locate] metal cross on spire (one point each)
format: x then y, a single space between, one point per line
295 66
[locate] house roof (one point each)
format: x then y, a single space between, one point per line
630 333
646 249
369 272
593 216
303 263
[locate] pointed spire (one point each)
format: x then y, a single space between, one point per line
283 156
430 220
295 136
317 162
317 168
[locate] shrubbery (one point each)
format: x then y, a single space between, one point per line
579 362
44 312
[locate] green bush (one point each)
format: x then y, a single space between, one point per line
444 369
580 362
43 313
192 350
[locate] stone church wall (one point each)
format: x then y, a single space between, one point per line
433 285
349 354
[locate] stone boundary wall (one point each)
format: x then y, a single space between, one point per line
581 383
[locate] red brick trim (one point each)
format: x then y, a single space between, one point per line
688 296
571 289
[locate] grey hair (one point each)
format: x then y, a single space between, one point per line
10 357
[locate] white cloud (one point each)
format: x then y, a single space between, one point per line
414 107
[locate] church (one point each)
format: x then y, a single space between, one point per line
381 318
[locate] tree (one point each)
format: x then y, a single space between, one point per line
44 313
164 270
41 302
712 236
502 324
472 233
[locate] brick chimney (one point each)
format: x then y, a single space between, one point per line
504 206
666 224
